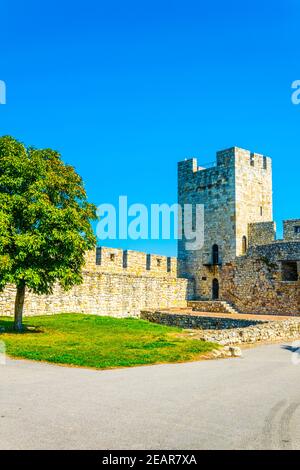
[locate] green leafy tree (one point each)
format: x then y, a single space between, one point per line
45 226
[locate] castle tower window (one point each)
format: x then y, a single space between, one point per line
244 245
297 229
169 264
158 261
98 255
125 259
261 210
251 159
215 254
148 262
112 257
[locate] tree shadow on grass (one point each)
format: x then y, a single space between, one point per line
8 327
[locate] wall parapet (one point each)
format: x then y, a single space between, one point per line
118 261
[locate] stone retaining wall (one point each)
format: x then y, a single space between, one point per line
194 321
229 331
285 330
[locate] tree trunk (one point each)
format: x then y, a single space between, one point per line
19 304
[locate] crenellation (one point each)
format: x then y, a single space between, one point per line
226 157
115 260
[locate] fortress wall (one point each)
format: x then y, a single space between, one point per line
109 288
261 233
255 283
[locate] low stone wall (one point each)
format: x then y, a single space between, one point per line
213 306
270 331
194 321
105 294
226 331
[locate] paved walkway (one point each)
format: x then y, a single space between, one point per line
243 403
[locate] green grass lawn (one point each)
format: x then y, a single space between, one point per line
100 342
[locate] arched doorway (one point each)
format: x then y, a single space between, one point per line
215 289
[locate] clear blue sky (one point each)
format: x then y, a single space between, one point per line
125 89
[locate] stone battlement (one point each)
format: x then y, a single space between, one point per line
118 261
264 233
225 158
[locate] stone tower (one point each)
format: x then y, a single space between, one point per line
236 192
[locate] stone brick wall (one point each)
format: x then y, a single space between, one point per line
109 288
195 321
290 233
253 192
213 306
254 283
261 233
213 187
228 331
269 331
235 192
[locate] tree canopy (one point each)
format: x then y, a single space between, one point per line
45 219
